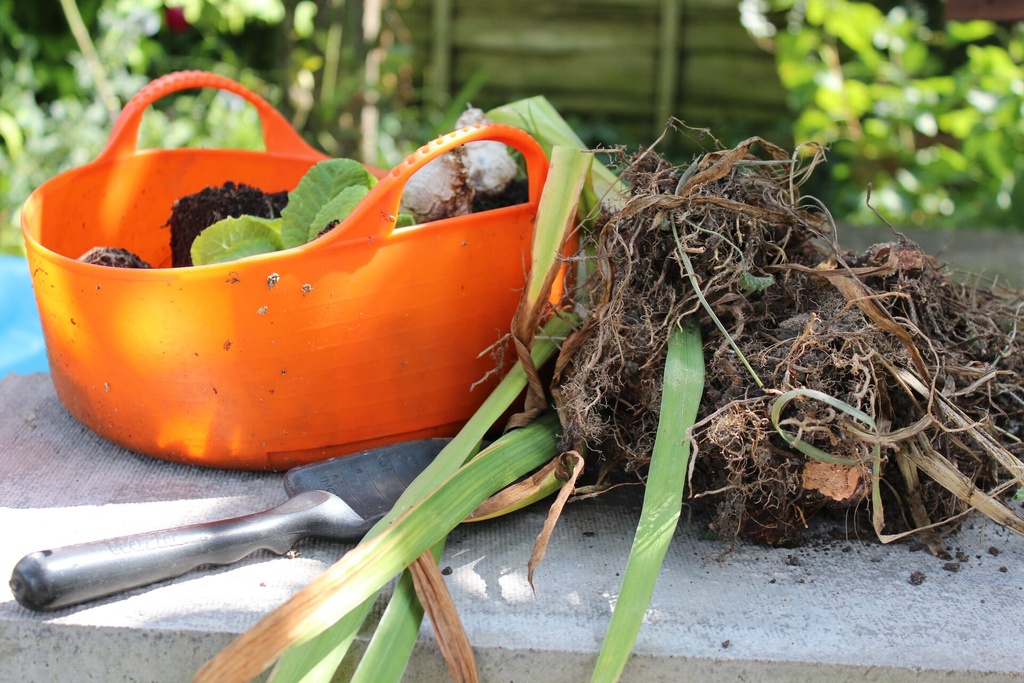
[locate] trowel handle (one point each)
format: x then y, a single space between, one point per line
51 579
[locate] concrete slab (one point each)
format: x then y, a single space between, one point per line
843 610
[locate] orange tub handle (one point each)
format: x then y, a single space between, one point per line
278 135
376 214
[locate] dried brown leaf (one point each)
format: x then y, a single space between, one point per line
573 463
448 629
949 477
512 497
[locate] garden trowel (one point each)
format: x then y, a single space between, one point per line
337 500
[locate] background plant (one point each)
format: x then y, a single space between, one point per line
339 70
927 112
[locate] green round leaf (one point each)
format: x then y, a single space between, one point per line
235 238
337 209
320 185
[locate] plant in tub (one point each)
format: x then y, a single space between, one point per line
232 222
328 192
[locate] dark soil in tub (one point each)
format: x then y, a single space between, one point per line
194 213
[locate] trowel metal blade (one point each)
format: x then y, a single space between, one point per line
371 481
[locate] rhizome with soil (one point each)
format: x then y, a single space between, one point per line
874 384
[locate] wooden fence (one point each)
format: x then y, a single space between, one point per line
631 63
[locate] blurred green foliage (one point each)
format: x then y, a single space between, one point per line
926 112
318 62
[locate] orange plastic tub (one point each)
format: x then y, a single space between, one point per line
366 336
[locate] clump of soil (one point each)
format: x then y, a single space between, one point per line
921 374
113 257
194 213
516 192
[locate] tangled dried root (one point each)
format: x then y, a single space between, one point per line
870 382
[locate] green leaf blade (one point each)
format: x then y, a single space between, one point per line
683 386
555 216
364 570
388 654
538 117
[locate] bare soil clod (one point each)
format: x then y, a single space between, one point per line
113 257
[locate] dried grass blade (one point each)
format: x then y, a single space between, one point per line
855 293
917 509
448 630
683 386
722 163
537 486
954 414
573 462
950 478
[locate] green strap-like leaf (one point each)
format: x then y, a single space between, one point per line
364 570
808 449
663 497
316 660
569 168
538 117
390 649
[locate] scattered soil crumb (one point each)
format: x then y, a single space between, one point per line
993 551
951 566
916 578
